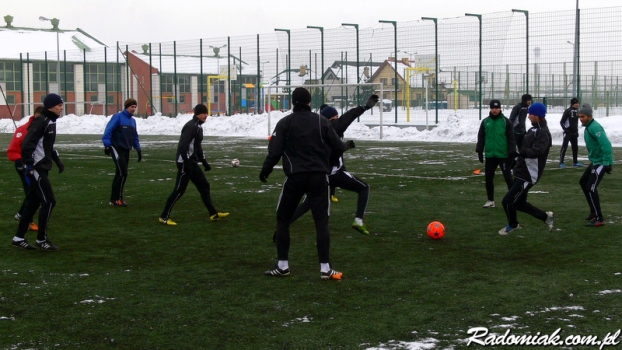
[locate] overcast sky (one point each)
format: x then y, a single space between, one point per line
159 20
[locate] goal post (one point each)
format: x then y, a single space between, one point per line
277 90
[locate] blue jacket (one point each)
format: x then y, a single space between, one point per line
121 132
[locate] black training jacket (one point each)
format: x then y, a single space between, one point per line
38 145
518 117
301 139
189 146
340 125
570 121
532 160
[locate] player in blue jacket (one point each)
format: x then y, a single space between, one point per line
119 138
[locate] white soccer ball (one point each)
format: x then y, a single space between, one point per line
235 163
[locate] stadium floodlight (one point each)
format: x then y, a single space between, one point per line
55 22
394 23
479 97
527 47
322 40
358 74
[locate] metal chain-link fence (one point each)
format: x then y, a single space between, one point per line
441 64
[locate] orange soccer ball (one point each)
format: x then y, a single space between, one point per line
436 230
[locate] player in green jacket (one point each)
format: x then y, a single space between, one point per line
601 155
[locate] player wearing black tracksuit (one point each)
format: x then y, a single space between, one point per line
518 117
570 125
339 176
38 153
189 155
528 171
301 140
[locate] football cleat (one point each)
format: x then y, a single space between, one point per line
118 203
508 229
277 272
360 228
47 245
168 222
218 216
23 244
489 204
595 223
549 220
333 198
331 275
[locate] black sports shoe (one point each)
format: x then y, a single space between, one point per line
277 272
592 216
23 244
118 203
47 245
331 275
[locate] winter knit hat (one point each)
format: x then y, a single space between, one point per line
301 96
525 98
329 112
200 109
574 100
52 100
537 109
586 109
130 102
495 104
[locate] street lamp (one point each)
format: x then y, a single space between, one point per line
409 55
289 60
216 50
479 97
394 23
263 71
358 75
527 47
322 36
55 22
435 59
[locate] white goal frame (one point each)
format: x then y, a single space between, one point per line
270 88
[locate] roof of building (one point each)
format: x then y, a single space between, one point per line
36 41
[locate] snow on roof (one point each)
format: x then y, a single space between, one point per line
36 42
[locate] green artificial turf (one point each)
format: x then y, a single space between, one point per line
123 280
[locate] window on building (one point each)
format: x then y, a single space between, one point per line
9 74
183 83
182 99
384 81
40 69
100 73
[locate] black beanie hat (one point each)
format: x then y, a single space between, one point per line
52 100
495 104
329 112
200 109
301 96
574 100
525 98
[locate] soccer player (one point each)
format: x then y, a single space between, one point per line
528 171
518 117
14 153
339 176
302 139
569 123
496 139
37 155
189 155
119 138
600 155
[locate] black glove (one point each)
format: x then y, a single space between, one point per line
59 164
19 165
206 165
140 155
480 156
107 150
263 175
371 101
607 169
349 144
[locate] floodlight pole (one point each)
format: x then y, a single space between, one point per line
358 75
289 61
394 23
575 69
55 22
479 92
435 60
527 47
322 36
